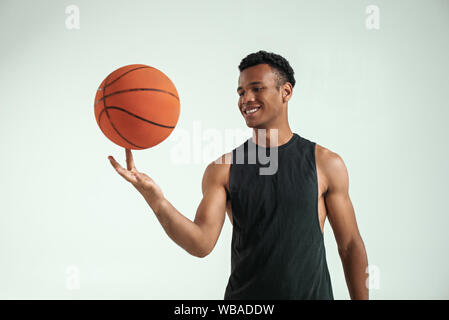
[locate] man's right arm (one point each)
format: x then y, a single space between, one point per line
200 236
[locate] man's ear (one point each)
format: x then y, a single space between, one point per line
286 89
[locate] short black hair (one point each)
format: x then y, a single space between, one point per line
281 67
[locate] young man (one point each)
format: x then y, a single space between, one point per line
278 218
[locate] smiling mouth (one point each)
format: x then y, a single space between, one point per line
251 111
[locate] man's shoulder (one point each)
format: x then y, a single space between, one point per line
219 168
224 159
327 158
330 164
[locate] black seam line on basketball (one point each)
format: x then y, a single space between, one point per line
120 76
99 124
110 120
135 89
118 132
134 115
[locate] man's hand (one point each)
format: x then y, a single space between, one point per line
142 182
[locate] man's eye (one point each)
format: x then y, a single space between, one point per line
257 89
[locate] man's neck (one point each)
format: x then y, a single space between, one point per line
271 137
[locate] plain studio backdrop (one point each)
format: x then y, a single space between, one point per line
374 91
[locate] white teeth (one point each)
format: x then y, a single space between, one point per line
252 110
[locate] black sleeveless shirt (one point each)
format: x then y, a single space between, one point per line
277 244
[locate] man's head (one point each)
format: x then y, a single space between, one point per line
265 84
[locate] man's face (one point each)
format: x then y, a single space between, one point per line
257 91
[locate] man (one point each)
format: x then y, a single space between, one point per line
278 218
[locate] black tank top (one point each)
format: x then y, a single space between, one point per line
277 245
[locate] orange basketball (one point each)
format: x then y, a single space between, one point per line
137 106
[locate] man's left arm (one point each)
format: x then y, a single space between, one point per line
341 216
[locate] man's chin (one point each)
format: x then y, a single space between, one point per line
254 125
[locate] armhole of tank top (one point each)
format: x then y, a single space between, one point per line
228 191
317 218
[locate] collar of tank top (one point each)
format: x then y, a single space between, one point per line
282 146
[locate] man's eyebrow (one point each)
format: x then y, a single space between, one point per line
254 82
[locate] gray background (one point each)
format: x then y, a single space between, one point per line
378 98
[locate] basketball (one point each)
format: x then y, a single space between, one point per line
137 106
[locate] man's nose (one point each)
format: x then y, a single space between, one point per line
247 97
